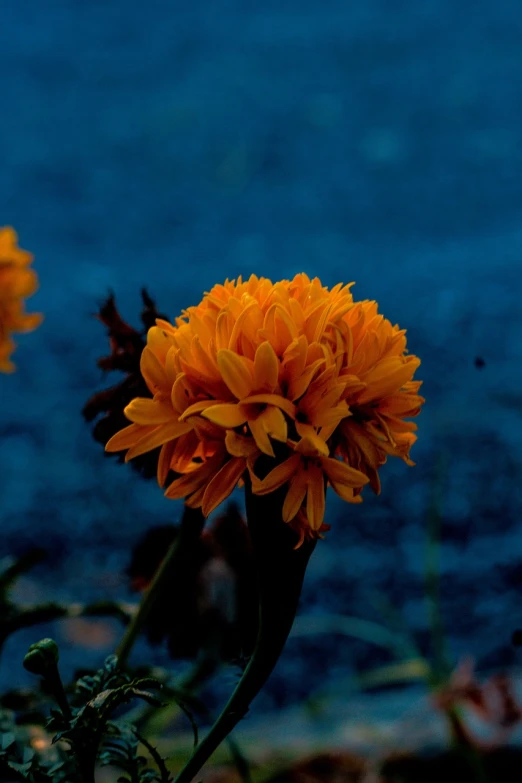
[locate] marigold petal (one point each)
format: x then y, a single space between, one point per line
327 402
295 496
199 407
203 361
8 239
223 330
341 473
240 446
326 432
171 368
158 342
195 499
29 322
277 477
278 328
346 493
401 405
294 358
321 324
251 312
126 438
315 497
266 368
261 437
164 460
356 435
274 423
158 437
145 411
389 376
235 373
223 483
206 430
332 416
180 393
185 485
299 385
201 327
311 445
214 387
166 326
226 415
186 448
153 371
271 399
6 365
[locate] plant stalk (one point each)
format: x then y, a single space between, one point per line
281 570
191 526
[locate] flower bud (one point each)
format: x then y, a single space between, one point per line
41 657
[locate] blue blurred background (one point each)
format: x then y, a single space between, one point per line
173 144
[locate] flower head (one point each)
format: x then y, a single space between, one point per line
17 281
289 383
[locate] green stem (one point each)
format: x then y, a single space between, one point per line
242 765
191 526
281 570
85 754
55 683
463 744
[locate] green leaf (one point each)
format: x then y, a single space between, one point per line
415 669
366 630
8 739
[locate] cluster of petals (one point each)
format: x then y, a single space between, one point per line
17 281
291 383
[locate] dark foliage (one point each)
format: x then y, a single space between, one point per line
106 407
83 731
217 607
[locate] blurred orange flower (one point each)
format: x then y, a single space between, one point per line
17 281
295 383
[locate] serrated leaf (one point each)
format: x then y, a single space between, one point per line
147 696
102 698
111 663
20 768
146 682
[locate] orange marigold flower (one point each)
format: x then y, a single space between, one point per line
17 281
296 384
